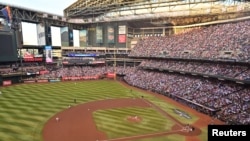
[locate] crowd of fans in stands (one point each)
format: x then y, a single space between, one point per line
17 69
206 42
235 71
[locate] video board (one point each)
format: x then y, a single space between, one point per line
76 35
29 33
8 47
56 36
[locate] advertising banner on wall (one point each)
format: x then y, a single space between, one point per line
42 80
122 34
111 37
31 55
48 54
56 36
76 38
122 38
7 82
83 38
29 33
65 36
41 34
57 53
99 36
122 29
71 37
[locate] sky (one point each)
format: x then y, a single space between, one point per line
48 6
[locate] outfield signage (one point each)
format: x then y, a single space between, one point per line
54 80
42 80
80 77
29 81
36 81
7 82
110 75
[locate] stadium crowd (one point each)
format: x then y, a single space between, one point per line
235 71
212 42
27 68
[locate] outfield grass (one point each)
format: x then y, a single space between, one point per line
25 108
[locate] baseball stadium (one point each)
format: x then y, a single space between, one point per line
124 70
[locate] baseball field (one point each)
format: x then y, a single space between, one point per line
103 110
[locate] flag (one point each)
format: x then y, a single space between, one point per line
7 14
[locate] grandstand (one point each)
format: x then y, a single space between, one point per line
196 52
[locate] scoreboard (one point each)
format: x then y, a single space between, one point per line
8 46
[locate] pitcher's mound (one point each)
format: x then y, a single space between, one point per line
135 119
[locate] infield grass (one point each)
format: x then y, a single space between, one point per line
115 124
25 108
